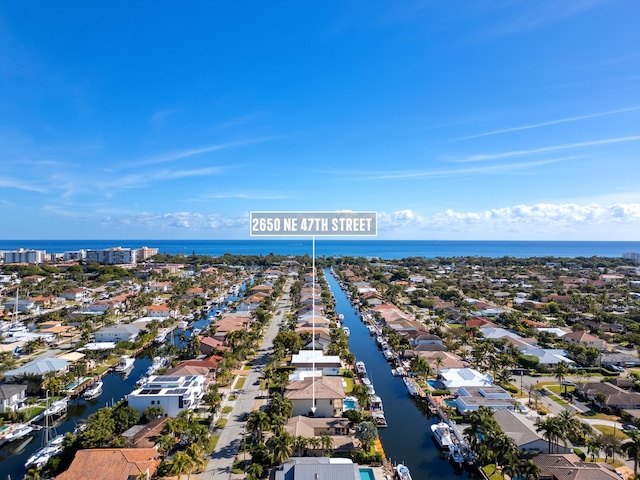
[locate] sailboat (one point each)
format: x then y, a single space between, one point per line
51 446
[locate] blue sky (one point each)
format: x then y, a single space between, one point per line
454 120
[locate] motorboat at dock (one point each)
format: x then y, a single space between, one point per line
402 471
456 455
442 434
19 431
360 368
93 391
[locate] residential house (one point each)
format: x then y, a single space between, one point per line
12 397
78 294
585 339
454 378
522 431
174 394
307 360
112 464
121 333
471 398
570 467
335 427
159 311
328 393
38 367
314 468
615 397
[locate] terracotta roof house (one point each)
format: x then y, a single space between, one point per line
112 464
585 339
162 311
209 345
479 322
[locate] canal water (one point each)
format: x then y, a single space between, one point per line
14 455
408 437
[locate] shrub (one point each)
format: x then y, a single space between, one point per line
440 393
580 453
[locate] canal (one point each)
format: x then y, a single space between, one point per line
408 438
14 455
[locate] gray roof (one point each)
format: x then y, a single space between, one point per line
8 391
39 366
311 468
511 424
130 329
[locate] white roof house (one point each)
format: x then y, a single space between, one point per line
454 378
172 393
308 359
38 367
497 332
547 356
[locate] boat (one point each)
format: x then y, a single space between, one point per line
125 364
158 363
183 324
455 454
366 381
381 421
56 408
40 457
161 336
93 391
376 404
340 316
402 471
346 331
442 434
21 430
411 387
360 368
195 332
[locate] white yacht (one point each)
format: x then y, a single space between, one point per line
442 433
411 387
56 408
125 364
93 391
19 431
360 368
403 472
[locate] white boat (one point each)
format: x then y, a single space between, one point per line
360 368
56 408
442 433
125 364
162 336
376 404
158 363
455 454
346 331
403 472
366 381
40 457
411 387
195 332
93 391
183 325
381 421
340 316
19 431
370 389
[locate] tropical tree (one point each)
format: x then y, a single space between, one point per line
254 471
420 367
633 449
299 445
560 372
196 453
257 423
327 444
551 431
280 446
361 394
182 463
367 433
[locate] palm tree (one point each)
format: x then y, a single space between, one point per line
361 394
529 470
195 452
280 445
299 445
633 449
254 471
439 362
593 447
181 463
570 424
560 372
327 444
551 430
257 423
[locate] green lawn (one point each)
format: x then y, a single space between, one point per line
221 423
606 429
240 382
491 472
558 389
227 410
349 387
558 400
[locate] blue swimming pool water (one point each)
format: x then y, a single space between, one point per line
366 474
449 402
349 404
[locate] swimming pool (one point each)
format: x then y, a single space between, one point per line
367 474
349 404
449 402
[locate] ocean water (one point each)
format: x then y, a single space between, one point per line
386 249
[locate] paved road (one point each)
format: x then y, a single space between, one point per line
220 462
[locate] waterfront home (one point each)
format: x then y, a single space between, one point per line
306 360
112 464
454 378
327 391
548 357
309 427
423 338
38 367
210 345
12 397
522 431
159 311
22 306
448 359
314 468
173 393
145 436
571 467
470 398
120 333
78 294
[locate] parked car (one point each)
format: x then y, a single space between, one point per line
630 428
568 383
